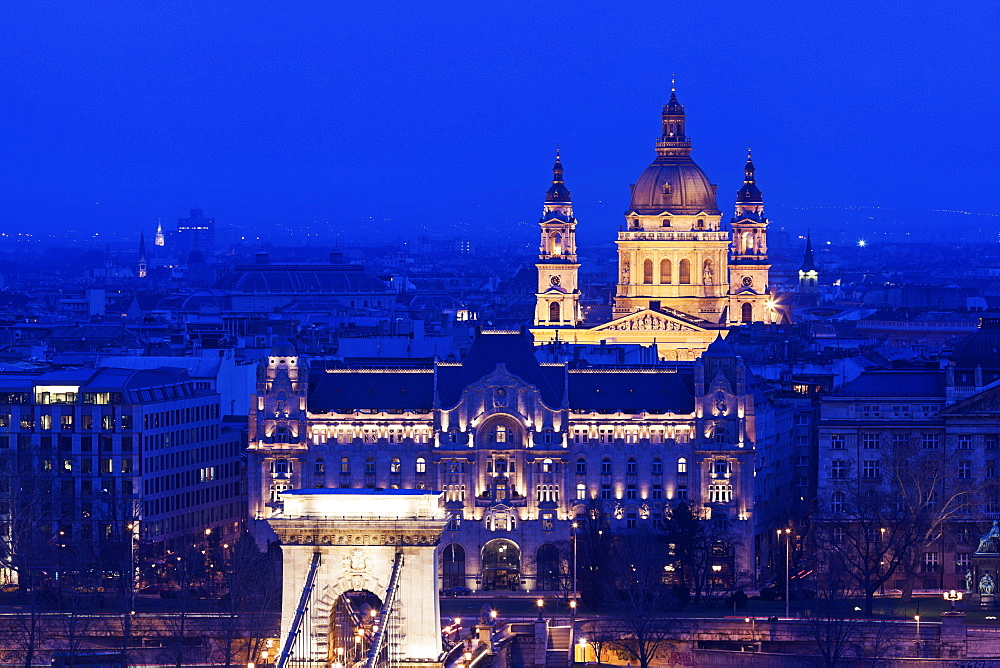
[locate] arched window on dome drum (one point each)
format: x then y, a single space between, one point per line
746 312
665 270
684 272
554 312
647 272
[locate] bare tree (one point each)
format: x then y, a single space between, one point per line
931 496
600 634
594 540
253 594
643 602
841 634
833 622
869 535
694 546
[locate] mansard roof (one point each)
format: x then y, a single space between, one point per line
350 387
908 383
515 350
346 388
632 389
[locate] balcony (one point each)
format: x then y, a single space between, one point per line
693 235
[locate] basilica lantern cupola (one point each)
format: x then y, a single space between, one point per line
673 140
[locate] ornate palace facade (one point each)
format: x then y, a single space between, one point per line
519 448
682 274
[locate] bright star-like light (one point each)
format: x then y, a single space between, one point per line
862 243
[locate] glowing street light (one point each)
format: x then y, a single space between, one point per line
788 555
953 596
541 604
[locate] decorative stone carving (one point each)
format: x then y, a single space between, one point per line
987 585
356 561
990 542
649 322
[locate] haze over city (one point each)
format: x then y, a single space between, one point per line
447 114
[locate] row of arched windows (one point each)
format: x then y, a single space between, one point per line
666 275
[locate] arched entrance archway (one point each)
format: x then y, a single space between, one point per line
501 565
547 567
453 566
352 625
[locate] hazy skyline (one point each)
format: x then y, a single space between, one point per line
117 113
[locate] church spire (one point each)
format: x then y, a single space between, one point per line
158 239
141 270
808 260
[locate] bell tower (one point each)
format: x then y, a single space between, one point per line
808 275
557 301
749 265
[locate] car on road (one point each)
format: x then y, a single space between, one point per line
456 591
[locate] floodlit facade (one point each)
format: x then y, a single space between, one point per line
683 274
520 449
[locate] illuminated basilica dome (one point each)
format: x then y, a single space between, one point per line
673 183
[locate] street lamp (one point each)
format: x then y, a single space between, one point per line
574 525
788 555
953 596
541 604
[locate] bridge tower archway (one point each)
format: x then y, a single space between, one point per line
338 542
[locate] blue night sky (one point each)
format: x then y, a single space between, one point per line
437 113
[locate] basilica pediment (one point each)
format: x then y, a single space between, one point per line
649 321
